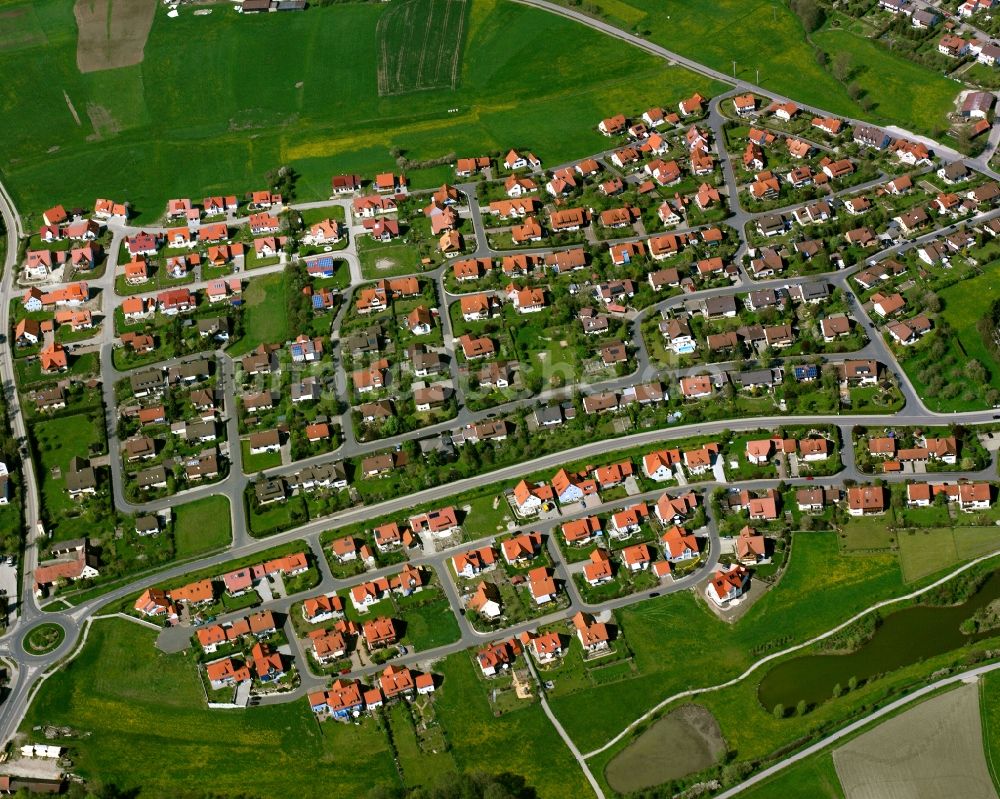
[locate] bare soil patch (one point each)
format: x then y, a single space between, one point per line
103 123
685 741
934 751
111 33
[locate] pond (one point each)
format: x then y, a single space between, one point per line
685 741
903 638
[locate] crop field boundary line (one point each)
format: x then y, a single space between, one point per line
456 58
428 27
775 655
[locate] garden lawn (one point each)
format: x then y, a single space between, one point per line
57 442
130 698
430 625
861 534
820 588
202 526
266 318
258 462
314 102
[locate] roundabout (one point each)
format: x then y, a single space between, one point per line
43 639
46 640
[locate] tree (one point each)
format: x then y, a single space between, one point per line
779 711
852 683
810 14
801 707
837 690
842 66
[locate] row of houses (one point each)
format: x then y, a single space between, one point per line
349 699
165 603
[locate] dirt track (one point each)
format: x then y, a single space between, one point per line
934 751
111 33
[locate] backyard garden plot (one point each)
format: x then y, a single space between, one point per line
420 46
933 750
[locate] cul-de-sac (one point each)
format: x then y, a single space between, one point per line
500 399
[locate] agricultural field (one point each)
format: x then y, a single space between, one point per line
924 552
420 46
926 751
111 34
314 103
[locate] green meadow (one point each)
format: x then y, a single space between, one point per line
301 89
763 42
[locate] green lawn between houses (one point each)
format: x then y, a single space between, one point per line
57 442
964 304
266 313
201 526
300 89
131 698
